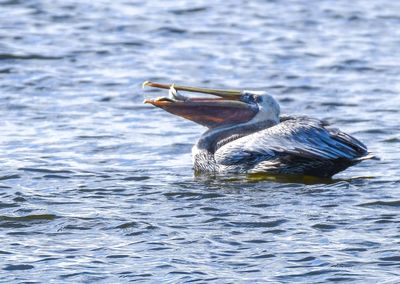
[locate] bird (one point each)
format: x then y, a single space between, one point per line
248 135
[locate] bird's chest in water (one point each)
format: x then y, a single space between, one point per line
203 161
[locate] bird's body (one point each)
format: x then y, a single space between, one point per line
246 134
296 145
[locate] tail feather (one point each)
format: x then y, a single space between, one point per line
369 156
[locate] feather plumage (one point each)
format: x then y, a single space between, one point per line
299 145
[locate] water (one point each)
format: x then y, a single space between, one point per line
98 188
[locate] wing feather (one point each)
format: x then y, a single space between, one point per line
299 137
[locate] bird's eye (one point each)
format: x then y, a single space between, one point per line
258 99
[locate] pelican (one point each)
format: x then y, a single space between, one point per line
246 134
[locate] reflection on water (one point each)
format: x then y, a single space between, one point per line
97 187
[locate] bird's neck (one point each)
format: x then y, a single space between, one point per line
215 138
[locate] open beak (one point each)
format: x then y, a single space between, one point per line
228 94
210 112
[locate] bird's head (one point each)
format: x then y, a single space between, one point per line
232 106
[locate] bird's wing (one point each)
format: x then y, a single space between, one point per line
300 137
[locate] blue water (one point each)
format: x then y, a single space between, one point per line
96 187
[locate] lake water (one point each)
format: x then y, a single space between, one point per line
97 187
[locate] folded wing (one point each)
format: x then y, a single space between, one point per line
297 145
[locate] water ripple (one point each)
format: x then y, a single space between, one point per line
98 187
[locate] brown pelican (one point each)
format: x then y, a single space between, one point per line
246 134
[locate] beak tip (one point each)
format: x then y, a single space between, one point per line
145 84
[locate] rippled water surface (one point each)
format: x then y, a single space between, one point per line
98 188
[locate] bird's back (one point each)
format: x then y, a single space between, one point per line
297 145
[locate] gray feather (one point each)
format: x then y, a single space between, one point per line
296 145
